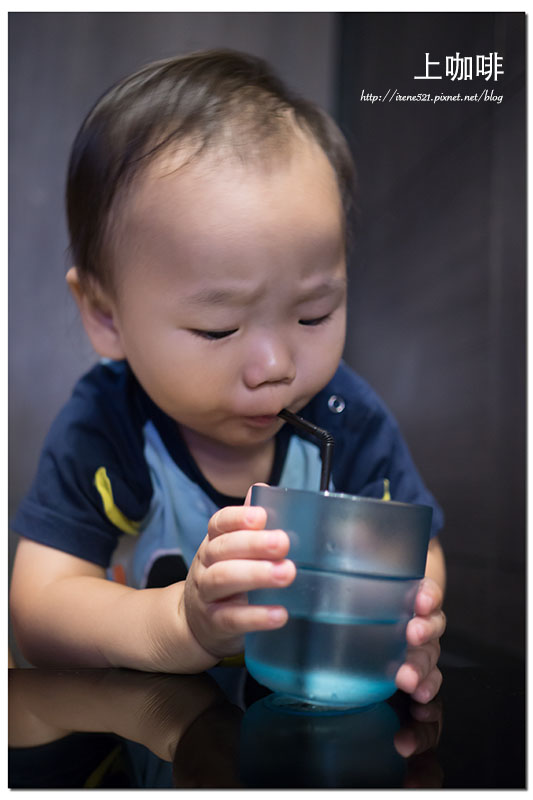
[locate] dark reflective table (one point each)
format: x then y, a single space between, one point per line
124 729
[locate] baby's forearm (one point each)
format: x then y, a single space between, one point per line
86 621
147 629
435 564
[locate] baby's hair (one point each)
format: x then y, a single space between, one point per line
195 102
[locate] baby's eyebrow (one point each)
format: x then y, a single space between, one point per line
222 297
329 286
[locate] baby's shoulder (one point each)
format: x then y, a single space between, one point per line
105 405
101 427
348 401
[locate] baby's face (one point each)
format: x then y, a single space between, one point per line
231 290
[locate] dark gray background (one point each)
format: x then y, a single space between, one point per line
437 286
438 298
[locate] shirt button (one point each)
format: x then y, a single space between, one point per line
336 404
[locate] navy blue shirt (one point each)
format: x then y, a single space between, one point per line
117 486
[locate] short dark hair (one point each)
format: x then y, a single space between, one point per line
192 99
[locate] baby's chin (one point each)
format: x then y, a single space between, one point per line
238 433
255 430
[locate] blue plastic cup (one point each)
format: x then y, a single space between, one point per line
359 562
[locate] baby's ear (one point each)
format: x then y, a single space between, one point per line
98 316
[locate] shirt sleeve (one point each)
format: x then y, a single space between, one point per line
92 483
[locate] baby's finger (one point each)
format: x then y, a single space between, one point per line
233 518
423 629
234 619
419 663
249 493
227 578
271 545
429 687
429 597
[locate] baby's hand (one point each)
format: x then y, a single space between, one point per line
236 556
420 676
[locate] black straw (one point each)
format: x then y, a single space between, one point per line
327 443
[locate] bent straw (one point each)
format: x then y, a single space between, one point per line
326 443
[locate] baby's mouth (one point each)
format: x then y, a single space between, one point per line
268 416
263 418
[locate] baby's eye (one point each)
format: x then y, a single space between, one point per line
316 321
213 335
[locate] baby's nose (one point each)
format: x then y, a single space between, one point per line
269 361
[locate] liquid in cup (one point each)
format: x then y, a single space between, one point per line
359 563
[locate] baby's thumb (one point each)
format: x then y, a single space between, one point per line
248 500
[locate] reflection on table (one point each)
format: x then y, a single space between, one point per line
120 728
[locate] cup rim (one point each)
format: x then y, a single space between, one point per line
343 496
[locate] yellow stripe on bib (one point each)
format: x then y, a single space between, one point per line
103 485
386 492
232 661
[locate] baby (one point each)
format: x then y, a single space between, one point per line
207 211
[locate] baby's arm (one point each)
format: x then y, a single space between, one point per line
66 613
